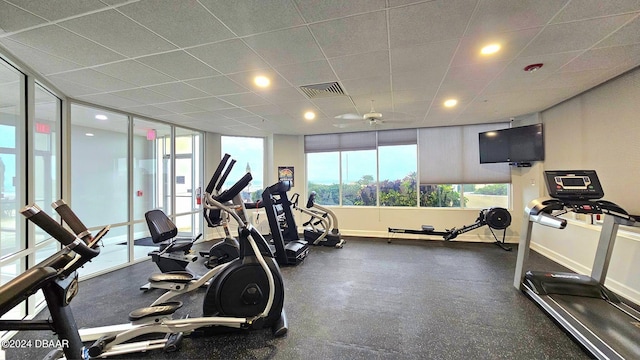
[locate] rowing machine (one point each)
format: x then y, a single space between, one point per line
495 218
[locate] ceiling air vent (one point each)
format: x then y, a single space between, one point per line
322 90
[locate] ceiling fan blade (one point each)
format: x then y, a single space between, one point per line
342 126
349 117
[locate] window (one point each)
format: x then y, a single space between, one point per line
45 154
398 175
323 177
12 120
100 173
359 179
249 155
430 167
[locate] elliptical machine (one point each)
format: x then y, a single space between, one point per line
322 226
228 248
247 293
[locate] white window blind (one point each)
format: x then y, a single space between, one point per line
365 140
449 155
397 137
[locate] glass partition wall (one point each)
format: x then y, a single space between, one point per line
121 168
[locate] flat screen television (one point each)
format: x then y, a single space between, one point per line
519 145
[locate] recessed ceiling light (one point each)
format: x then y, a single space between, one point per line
450 102
262 81
490 49
88 134
309 115
101 117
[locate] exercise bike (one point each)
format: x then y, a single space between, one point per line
496 218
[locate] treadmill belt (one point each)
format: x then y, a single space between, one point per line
619 330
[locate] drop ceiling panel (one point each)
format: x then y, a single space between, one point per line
178 91
245 99
245 17
429 22
210 103
247 79
498 16
433 57
604 58
367 86
313 11
57 41
287 94
229 56
44 63
511 44
179 65
587 9
314 72
575 36
289 46
352 35
179 107
109 100
144 96
626 36
115 31
264 110
361 65
94 79
134 72
190 56
184 22
148 110
234 113
56 10
13 18
217 85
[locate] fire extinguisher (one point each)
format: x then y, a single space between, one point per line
199 196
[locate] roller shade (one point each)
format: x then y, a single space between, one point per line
397 137
449 155
365 140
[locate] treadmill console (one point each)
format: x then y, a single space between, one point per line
573 184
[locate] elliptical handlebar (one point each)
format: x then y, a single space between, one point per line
216 175
58 232
69 217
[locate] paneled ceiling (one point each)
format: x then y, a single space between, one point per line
192 62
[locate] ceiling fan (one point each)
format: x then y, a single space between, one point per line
372 118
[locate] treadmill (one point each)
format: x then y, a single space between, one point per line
593 315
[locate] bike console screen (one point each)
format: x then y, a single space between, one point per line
573 184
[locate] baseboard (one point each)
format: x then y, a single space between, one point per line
614 285
463 237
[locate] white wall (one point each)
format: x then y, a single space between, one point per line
598 130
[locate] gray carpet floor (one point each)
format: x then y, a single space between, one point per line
369 300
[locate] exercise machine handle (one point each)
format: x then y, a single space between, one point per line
216 174
234 190
57 231
545 219
68 216
225 175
